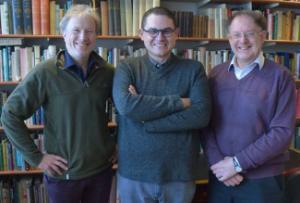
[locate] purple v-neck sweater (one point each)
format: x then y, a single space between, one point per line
253 118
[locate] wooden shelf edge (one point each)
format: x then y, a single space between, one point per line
202 182
41 127
114 37
19 172
259 2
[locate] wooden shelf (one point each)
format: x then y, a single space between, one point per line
114 37
9 83
17 172
30 127
41 127
202 182
258 2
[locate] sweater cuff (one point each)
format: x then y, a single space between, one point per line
35 160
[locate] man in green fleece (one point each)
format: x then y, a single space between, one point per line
162 101
72 88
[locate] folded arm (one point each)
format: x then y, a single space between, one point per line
196 116
141 107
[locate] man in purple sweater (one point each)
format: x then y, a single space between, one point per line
253 118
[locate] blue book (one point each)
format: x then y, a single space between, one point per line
27 17
17 17
5 61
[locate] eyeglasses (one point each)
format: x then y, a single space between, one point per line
248 35
153 32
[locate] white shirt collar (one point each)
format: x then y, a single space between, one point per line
259 60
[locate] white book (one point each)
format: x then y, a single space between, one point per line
16 65
128 8
156 3
142 8
37 54
149 4
1 66
135 17
4 18
217 22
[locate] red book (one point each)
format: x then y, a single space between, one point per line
36 17
45 17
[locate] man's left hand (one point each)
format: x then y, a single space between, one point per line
224 169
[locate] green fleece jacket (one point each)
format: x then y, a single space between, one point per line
74 116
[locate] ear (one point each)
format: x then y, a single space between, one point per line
141 34
263 35
177 31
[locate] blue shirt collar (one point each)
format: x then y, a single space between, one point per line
71 65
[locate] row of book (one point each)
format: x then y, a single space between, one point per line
12 159
283 25
23 190
123 17
208 58
16 62
118 17
31 16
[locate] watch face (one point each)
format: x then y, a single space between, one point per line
238 169
236 165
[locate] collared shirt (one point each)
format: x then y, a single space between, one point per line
71 65
242 72
158 65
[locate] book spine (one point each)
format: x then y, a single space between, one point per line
36 17
111 27
116 17
45 17
27 16
104 17
18 27
4 18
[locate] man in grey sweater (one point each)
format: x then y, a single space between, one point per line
162 102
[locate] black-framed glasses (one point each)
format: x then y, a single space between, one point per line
153 32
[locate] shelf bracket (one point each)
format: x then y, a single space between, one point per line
203 3
202 43
268 44
271 5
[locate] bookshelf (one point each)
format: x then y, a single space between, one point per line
110 41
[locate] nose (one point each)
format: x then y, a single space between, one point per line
82 35
243 37
160 35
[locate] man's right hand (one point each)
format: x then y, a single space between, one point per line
234 180
53 165
186 102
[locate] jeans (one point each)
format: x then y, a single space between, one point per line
261 190
131 191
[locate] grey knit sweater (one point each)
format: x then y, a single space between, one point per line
159 140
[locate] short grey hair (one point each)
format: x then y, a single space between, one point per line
256 16
80 10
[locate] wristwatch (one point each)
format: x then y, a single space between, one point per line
236 164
